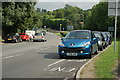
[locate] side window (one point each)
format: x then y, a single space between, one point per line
93 35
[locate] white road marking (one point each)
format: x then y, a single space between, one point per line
60 69
56 62
44 48
54 69
73 74
66 78
47 68
37 50
12 56
72 70
78 60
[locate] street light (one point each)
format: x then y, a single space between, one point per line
60 26
115 24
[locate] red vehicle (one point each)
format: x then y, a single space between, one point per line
24 36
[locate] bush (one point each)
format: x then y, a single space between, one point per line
63 33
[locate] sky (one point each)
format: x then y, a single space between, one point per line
55 4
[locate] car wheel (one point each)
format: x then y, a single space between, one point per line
101 48
96 52
90 55
5 41
61 57
33 40
45 40
16 41
20 40
28 39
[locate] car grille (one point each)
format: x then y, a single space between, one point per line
73 50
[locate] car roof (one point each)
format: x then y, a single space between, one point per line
22 33
80 30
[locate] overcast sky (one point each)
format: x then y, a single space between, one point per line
56 5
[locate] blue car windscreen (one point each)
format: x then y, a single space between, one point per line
78 35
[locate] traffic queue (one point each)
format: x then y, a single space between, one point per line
83 43
27 36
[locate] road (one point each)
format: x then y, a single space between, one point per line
37 60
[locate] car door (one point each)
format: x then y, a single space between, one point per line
94 41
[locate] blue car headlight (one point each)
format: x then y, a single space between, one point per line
85 44
61 44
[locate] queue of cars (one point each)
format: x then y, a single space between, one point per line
19 37
83 43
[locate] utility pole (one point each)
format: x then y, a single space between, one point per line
113 10
116 14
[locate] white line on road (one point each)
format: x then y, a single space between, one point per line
73 75
66 78
44 48
12 56
56 62
72 70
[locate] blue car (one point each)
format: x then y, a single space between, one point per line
78 43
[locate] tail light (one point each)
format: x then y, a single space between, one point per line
5 37
42 36
14 37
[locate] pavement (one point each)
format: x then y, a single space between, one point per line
37 60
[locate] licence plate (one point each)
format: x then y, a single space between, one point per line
71 54
9 39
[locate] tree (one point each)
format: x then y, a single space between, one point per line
19 15
98 20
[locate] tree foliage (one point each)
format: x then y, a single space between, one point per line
19 16
22 15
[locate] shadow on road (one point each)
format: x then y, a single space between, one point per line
56 56
51 56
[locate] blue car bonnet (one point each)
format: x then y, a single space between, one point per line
75 42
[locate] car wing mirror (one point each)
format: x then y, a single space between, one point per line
62 39
94 38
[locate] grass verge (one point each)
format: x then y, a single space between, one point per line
1 39
106 62
59 34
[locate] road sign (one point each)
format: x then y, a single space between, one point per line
110 28
112 8
70 27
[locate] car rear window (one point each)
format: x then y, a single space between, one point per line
21 34
38 34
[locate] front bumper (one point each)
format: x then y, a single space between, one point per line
76 51
9 40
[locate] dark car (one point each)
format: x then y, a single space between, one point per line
13 37
109 37
78 43
105 39
100 42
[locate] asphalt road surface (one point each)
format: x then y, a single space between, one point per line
37 60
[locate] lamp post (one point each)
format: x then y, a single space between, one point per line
115 24
60 26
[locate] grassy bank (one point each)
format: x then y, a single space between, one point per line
105 63
62 34
59 34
